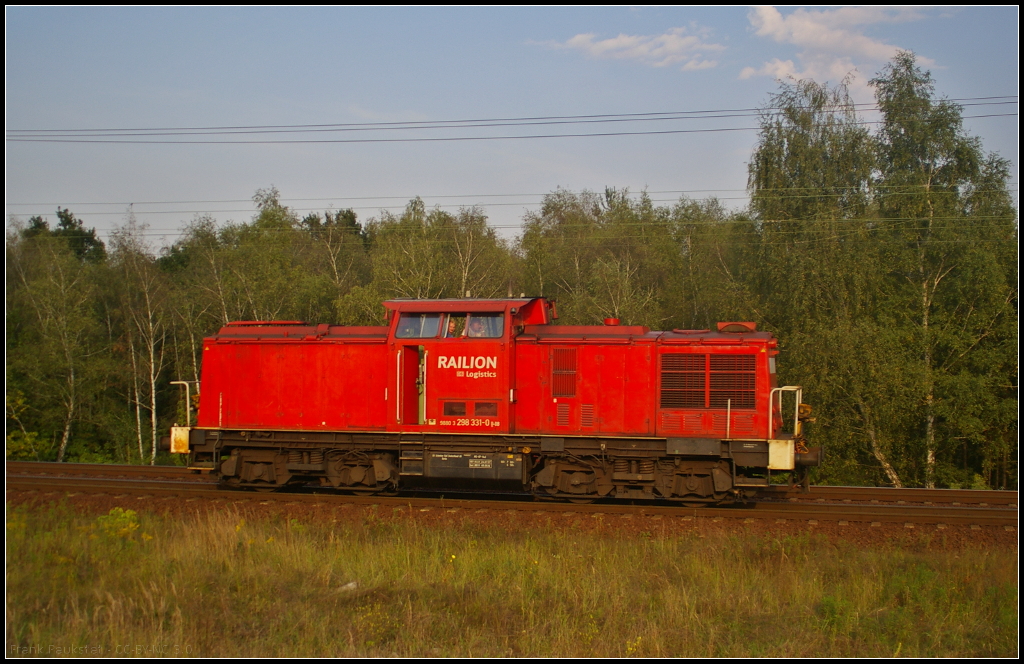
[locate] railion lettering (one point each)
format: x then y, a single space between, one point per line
466 362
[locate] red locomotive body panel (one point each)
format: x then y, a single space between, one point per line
586 380
490 390
426 372
293 377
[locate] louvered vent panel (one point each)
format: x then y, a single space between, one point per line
563 372
683 362
742 424
693 423
683 380
562 415
732 399
563 385
733 381
587 415
732 362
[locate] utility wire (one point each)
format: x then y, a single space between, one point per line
434 139
342 199
481 122
554 232
37 135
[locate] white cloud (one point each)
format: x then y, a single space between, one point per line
776 69
673 47
832 42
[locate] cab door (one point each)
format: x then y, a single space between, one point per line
467 374
412 341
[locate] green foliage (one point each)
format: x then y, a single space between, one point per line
428 254
71 231
54 335
600 256
119 523
887 268
20 443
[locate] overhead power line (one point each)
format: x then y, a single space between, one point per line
342 200
478 122
175 135
430 138
777 226
110 133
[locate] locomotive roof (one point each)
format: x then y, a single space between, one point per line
300 331
639 333
532 311
459 304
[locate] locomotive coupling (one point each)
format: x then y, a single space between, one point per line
809 456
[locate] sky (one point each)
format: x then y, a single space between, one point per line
638 73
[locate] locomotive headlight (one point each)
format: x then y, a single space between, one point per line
805 411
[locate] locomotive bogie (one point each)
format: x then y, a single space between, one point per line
490 393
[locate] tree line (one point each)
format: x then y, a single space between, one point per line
884 259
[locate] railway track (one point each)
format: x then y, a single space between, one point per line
939 507
879 495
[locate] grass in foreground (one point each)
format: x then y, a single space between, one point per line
221 585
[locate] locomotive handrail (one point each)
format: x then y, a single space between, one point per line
188 399
799 390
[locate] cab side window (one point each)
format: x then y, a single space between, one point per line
455 327
418 326
485 326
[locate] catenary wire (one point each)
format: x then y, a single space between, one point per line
434 139
619 117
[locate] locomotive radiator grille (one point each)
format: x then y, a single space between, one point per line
692 381
683 380
732 381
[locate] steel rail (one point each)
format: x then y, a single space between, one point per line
96 469
788 511
978 497
888 494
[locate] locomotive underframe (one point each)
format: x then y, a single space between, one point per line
691 471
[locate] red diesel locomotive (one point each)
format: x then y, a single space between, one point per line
489 393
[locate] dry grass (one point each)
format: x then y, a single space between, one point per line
216 585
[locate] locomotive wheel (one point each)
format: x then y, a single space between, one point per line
581 501
693 504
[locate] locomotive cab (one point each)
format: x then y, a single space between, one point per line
453 363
